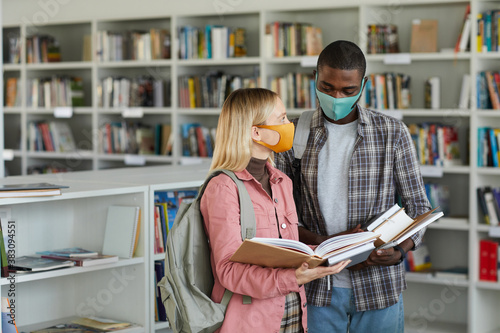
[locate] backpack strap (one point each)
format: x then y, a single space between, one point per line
299 146
302 133
247 213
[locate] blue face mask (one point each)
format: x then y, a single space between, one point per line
337 108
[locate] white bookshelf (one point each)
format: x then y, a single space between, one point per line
453 240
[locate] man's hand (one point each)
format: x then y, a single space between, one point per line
386 257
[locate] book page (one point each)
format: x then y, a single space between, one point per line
286 243
393 226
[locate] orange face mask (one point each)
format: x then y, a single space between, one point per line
286 132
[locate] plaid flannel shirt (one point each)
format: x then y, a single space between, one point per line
384 162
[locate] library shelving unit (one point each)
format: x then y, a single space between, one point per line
120 291
431 304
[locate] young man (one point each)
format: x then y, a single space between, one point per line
355 162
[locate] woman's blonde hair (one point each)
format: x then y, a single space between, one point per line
242 109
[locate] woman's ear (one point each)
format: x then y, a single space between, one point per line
256 133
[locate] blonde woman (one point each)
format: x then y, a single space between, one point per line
253 124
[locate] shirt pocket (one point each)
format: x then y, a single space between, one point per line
289 226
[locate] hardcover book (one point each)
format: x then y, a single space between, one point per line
394 225
288 253
36 264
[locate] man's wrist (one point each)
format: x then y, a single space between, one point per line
403 254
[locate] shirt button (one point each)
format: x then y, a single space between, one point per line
276 200
283 226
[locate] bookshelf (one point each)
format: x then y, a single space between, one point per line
471 310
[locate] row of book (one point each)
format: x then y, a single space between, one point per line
167 204
489 204
133 45
46 92
488 87
488 27
13 92
296 90
489 257
55 91
47 168
160 312
436 144
14 48
488 145
197 140
135 138
211 89
388 91
382 38
53 136
211 42
133 92
42 49
439 196
284 39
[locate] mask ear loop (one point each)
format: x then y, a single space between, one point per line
360 93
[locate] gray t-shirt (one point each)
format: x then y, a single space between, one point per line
333 181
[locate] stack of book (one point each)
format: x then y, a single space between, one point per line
30 190
79 256
89 325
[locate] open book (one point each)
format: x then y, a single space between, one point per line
395 226
287 253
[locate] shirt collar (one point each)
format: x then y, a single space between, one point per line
318 119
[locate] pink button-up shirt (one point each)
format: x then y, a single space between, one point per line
266 286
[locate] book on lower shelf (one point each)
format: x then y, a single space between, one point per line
86 261
30 190
394 226
70 252
37 264
288 253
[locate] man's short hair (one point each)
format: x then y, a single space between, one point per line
343 54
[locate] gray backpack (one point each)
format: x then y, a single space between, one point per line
188 281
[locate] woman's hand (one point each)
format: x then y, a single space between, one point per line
305 275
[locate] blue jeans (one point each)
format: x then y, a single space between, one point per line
341 316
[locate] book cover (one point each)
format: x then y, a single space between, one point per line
69 252
122 231
424 36
287 253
